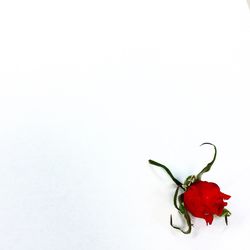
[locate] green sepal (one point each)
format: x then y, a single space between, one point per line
188 220
209 165
226 213
181 204
190 180
181 207
175 198
182 210
178 183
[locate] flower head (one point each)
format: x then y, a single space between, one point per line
204 200
200 198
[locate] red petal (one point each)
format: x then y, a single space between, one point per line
225 196
209 219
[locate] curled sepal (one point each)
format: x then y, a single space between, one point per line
181 204
188 220
178 183
175 198
226 213
190 180
181 207
209 165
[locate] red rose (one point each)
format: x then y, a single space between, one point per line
200 198
204 200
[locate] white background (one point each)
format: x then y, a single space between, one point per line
90 90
